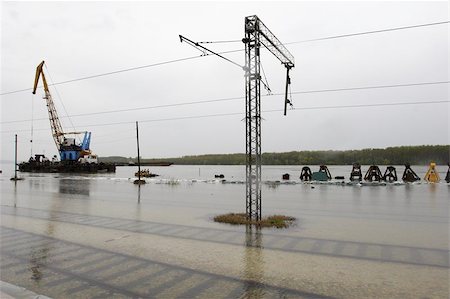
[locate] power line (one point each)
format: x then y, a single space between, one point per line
368 87
265 111
368 32
239 98
109 73
227 52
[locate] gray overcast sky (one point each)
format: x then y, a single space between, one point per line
78 39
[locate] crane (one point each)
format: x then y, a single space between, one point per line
256 34
68 149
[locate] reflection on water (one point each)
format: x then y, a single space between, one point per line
38 257
408 193
38 261
74 186
139 193
432 188
253 263
15 194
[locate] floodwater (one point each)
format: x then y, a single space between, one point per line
101 236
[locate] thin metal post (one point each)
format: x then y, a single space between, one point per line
139 157
15 158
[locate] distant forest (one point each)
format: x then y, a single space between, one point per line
415 155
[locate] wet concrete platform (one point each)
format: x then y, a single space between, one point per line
337 248
10 291
64 269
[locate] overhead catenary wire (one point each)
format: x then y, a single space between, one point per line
221 41
367 32
240 98
109 73
227 52
265 111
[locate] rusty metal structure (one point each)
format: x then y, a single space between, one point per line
409 175
356 174
373 174
390 175
306 174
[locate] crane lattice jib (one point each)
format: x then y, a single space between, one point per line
57 131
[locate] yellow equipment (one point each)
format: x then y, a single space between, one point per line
57 131
432 175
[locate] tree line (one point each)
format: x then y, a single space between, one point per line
414 155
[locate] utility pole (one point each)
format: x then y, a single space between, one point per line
138 181
15 178
256 34
15 157
139 155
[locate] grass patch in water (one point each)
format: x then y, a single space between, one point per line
278 221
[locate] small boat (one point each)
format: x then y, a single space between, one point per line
145 173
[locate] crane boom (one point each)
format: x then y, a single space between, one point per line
57 131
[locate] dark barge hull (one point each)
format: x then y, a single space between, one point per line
60 167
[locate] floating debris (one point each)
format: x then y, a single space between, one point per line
145 173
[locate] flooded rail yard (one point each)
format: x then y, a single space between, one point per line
101 236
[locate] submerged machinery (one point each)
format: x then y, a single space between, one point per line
373 174
322 175
306 174
432 176
409 175
447 177
390 175
356 174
